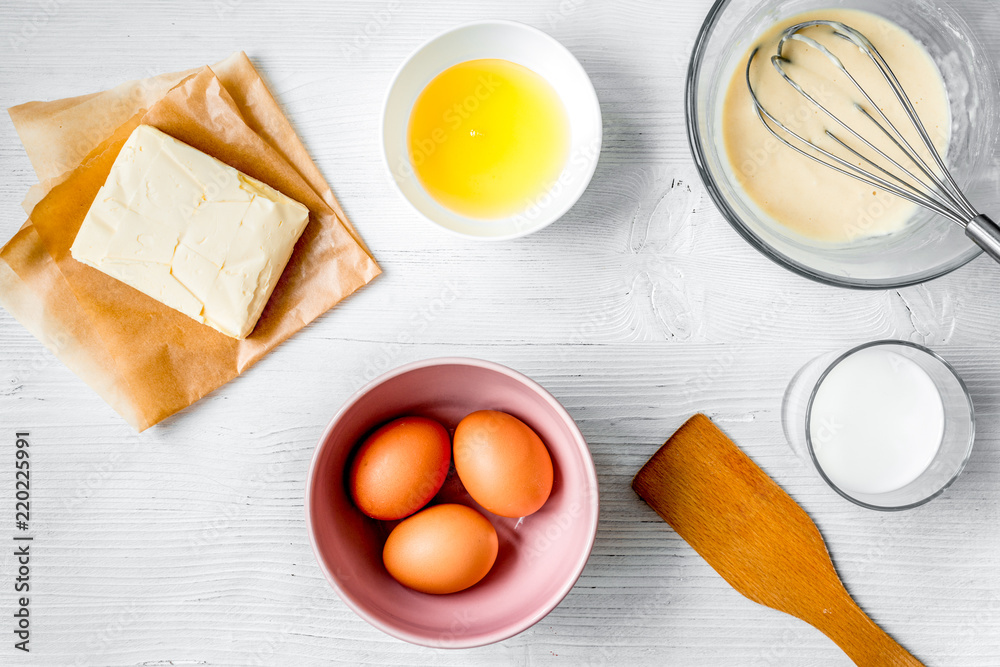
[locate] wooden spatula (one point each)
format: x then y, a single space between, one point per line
758 538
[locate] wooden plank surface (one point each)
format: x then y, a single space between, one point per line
187 544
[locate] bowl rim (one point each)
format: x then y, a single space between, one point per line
701 163
591 507
588 90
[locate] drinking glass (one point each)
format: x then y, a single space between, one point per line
956 443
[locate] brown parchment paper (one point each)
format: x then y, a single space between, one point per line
59 135
147 360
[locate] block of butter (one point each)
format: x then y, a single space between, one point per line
191 232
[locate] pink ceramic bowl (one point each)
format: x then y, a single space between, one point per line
541 556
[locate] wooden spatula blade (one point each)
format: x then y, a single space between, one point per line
756 537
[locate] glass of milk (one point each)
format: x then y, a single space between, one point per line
888 424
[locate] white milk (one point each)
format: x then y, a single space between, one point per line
877 422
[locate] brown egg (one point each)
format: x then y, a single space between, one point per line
502 463
400 467
442 549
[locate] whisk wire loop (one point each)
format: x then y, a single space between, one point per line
778 62
845 167
937 192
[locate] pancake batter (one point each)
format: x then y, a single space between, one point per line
806 197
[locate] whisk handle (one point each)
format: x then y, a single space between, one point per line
986 234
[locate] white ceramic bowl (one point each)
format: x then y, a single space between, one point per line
525 46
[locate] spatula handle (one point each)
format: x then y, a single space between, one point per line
860 638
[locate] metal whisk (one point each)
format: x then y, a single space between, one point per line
932 186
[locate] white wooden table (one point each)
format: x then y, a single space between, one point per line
187 544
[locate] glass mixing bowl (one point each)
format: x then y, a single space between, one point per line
960 37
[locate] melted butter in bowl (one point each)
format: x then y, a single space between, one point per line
808 199
491 130
488 137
